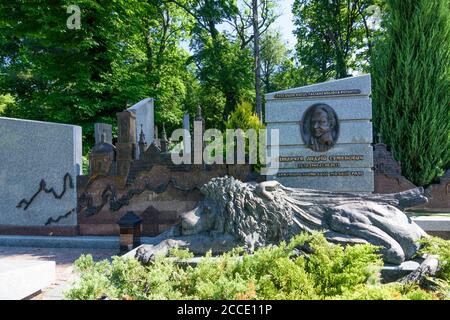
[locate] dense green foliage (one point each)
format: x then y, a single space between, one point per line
330 272
440 248
190 53
411 89
5 101
123 52
173 51
243 118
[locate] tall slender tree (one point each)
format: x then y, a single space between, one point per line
250 22
256 56
411 87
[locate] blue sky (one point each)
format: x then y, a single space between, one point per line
284 22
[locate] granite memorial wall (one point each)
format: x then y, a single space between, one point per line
325 136
39 165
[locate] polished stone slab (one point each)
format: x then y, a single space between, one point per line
294 153
290 110
433 223
359 132
361 83
20 279
326 179
347 164
39 165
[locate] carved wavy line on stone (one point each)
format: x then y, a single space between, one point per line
42 188
51 220
115 204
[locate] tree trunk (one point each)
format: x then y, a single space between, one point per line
341 66
257 61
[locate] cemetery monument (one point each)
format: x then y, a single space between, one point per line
325 136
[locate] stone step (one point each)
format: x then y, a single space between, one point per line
434 224
89 242
20 279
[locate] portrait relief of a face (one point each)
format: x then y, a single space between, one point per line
320 127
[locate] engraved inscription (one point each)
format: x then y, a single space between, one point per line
317 94
322 158
322 174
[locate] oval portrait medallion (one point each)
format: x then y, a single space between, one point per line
320 129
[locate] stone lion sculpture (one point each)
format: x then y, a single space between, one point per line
251 215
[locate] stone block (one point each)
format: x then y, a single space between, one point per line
40 162
21 279
127 127
439 194
359 132
390 184
339 180
346 155
292 110
390 273
361 83
125 151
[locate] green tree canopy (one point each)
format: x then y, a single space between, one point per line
333 36
123 52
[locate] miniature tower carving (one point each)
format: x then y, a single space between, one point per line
142 143
102 158
164 141
126 142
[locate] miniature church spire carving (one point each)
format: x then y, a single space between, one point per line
142 142
164 141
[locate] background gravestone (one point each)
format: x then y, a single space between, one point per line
388 172
186 135
341 162
144 111
99 128
40 162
